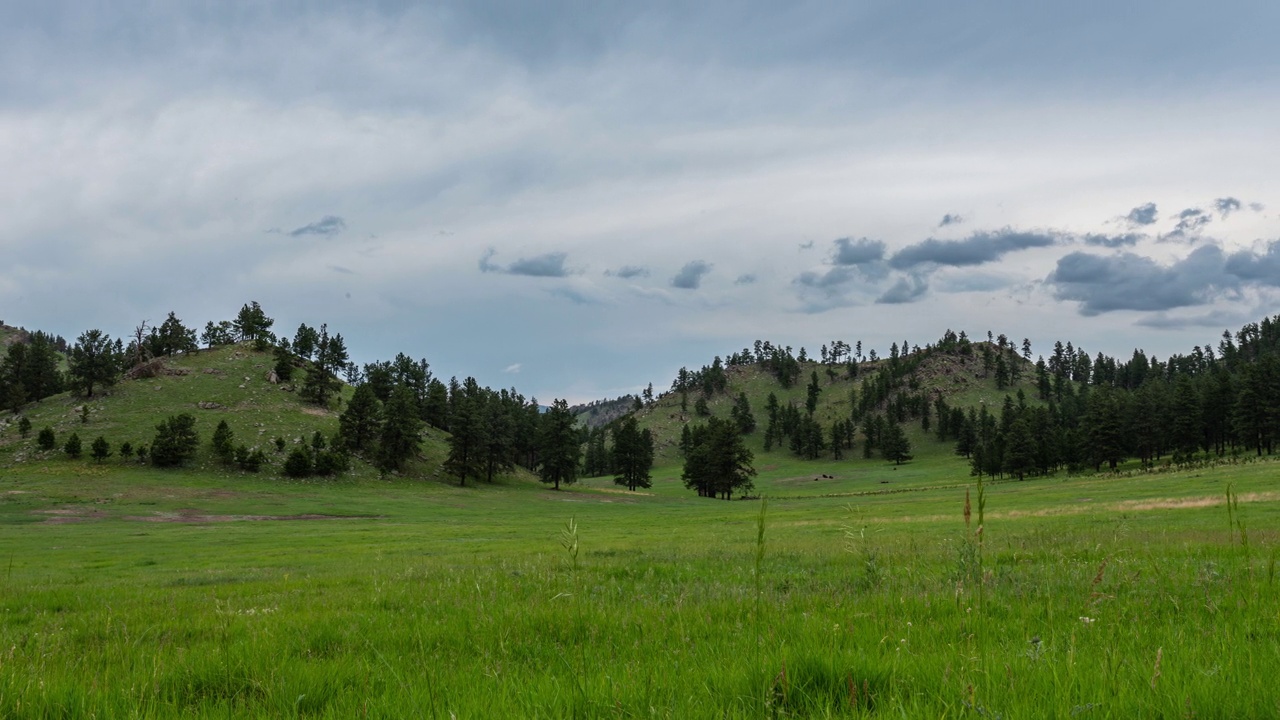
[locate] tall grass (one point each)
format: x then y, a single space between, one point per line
451 603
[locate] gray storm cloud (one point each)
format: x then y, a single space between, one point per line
1112 241
906 290
857 252
327 225
1226 206
1103 283
627 272
1142 215
978 248
691 275
1262 268
546 265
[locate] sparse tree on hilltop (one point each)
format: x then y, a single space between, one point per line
94 361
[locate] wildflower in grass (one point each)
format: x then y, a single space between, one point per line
1087 620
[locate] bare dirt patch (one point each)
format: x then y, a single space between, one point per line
62 516
622 491
318 412
186 517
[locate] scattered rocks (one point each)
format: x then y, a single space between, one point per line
148 369
209 406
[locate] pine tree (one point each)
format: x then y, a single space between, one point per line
215 335
72 447
1019 449
466 431
175 441
811 395
299 463
94 361
171 337
741 413
632 455
498 438
223 442
718 464
360 423
283 367
400 437
100 449
304 341
558 449
895 445
252 323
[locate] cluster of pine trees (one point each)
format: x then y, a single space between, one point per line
621 449
29 371
1100 412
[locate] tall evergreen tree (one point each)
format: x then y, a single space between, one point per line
812 393
252 323
558 449
466 432
741 413
718 464
1019 449
895 445
632 455
498 440
399 438
361 421
224 443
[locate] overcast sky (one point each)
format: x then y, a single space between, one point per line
578 198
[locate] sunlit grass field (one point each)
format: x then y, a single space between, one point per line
129 592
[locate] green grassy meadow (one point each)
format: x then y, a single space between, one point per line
131 592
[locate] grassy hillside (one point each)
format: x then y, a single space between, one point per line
957 378
9 334
228 383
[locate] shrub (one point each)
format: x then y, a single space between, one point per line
24 427
72 447
100 449
46 439
331 462
175 442
126 449
298 464
249 460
